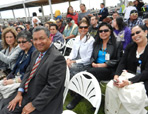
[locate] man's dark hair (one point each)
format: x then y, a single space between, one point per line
39 28
28 22
115 12
34 14
54 26
96 17
103 4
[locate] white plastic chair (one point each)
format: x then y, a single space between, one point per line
69 44
59 45
86 85
67 79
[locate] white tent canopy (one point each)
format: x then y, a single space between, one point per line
17 4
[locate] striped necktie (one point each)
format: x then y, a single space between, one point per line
33 71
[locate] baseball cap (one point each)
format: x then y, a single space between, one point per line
68 19
133 11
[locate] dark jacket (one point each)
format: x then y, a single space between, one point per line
115 54
22 65
58 37
139 8
46 87
130 63
93 30
104 14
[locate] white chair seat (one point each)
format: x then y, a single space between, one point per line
68 112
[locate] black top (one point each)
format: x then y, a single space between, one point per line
129 62
114 51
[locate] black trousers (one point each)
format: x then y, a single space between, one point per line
102 73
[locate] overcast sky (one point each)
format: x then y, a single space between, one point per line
62 7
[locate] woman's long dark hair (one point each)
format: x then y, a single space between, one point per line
98 40
112 37
120 23
68 9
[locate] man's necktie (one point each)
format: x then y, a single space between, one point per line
33 71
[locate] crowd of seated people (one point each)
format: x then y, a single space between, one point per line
106 47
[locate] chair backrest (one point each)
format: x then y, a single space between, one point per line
69 44
86 85
59 45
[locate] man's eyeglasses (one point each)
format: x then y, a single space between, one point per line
133 34
21 42
81 27
105 30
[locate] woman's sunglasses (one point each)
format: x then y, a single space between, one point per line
81 27
133 34
21 42
105 30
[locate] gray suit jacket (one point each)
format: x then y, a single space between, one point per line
45 89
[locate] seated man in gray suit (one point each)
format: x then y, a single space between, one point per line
41 90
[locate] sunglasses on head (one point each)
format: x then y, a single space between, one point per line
21 42
133 34
81 27
105 30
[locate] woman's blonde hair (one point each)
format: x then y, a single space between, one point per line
6 30
130 3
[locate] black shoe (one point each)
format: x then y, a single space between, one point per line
74 102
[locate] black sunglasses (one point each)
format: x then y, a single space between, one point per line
105 30
133 34
21 42
81 27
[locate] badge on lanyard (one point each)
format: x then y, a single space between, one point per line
107 56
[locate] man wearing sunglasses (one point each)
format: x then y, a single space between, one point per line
134 19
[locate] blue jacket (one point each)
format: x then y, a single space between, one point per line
24 64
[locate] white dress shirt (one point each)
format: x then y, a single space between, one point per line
84 48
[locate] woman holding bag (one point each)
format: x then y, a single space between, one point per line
128 95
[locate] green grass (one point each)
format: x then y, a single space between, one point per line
84 107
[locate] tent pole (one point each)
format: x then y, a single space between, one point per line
1 18
25 10
43 16
50 5
80 1
13 15
28 15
